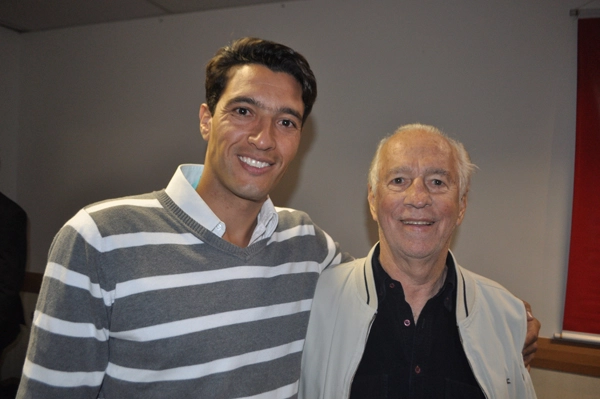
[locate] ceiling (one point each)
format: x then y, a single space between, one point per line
37 15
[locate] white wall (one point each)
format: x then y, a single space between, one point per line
111 110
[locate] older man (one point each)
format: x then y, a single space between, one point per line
407 321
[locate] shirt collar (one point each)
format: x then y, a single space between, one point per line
182 190
382 279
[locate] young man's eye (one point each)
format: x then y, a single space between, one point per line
288 123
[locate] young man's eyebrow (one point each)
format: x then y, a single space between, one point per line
244 99
253 101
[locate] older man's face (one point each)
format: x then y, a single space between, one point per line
416 202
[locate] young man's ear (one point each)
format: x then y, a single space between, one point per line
205 121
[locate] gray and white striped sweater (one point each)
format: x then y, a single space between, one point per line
140 301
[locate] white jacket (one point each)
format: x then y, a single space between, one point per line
492 324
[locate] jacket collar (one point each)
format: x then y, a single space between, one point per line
465 286
465 292
363 277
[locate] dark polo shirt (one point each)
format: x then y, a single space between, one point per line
404 360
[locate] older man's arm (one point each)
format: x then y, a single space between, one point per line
533 331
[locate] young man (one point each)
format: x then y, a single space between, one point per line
407 321
202 289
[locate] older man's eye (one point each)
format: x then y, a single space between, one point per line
397 184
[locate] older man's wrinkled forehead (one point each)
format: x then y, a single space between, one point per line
418 141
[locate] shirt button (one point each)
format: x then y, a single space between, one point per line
418 370
407 322
392 285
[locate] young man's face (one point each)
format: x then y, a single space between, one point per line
253 135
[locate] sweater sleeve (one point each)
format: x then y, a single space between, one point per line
335 255
68 348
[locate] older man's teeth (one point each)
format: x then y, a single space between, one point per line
253 162
417 223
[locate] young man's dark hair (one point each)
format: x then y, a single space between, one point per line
275 56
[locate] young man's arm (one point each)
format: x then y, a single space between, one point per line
533 331
68 348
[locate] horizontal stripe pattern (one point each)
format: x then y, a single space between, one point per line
78 280
165 305
203 370
296 231
280 393
139 239
188 326
68 328
83 223
144 203
146 284
62 378
333 255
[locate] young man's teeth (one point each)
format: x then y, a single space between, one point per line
253 162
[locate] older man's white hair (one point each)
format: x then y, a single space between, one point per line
464 166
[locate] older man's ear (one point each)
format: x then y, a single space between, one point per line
462 209
371 199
